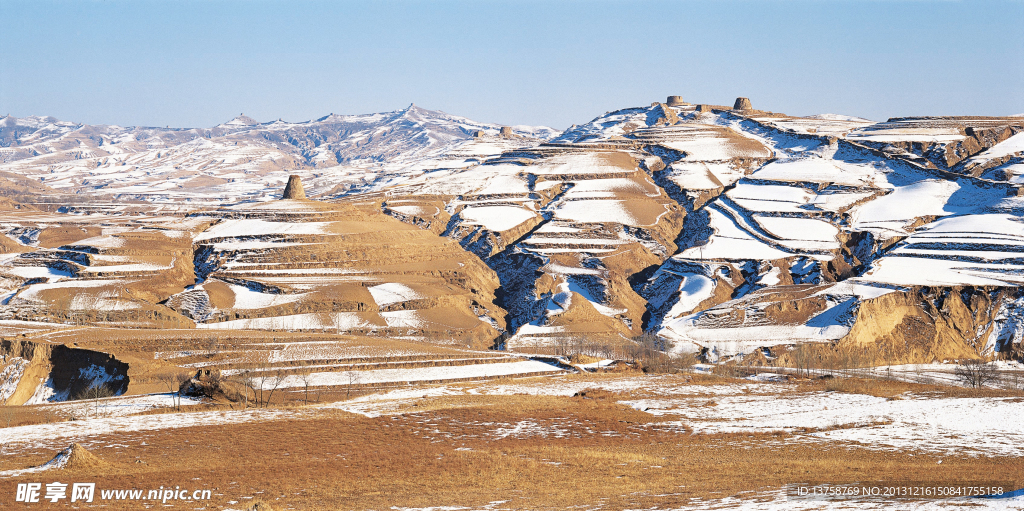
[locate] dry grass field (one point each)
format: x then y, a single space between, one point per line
564 442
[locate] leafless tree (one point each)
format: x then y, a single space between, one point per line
307 378
1013 380
261 378
246 380
95 392
175 382
272 381
353 379
975 373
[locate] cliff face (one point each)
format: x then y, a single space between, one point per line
923 325
33 372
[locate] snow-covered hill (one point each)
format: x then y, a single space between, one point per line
236 159
730 230
720 230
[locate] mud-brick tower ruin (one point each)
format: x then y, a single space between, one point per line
742 104
293 190
676 101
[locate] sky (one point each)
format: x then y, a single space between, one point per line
200 63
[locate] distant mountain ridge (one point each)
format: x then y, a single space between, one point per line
332 139
239 158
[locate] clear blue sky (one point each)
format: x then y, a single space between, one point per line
196 64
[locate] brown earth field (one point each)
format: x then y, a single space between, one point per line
486 451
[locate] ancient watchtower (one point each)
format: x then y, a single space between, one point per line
293 190
676 101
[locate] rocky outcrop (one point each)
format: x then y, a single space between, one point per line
55 372
946 143
926 325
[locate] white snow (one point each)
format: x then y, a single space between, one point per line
1012 145
911 423
34 272
32 292
798 228
992 262
436 373
393 292
693 290
309 321
890 213
596 211
781 198
837 117
246 298
43 435
228 246
821 170
404 319
731 242
877 133
255 227
730 341
10 377
496 218
919 271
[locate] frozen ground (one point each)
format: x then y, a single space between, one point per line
22 438
781 501
910 423
906 423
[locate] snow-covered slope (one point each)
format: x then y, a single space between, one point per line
236 159
790 224
717 229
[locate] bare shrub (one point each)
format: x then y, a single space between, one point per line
649 354
735 371
212 347
569 346
802 359
262 381
975 373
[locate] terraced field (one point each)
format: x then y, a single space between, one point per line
721 232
